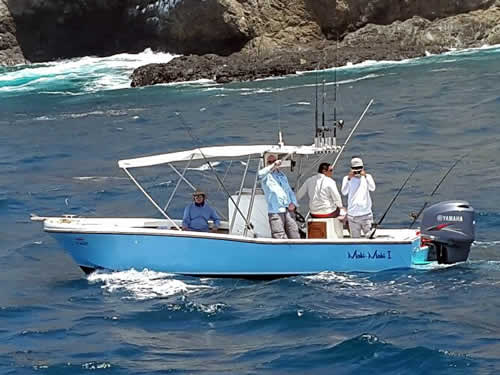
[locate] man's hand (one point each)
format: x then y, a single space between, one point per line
214 230
185 228
350 175
277 164
363 172
291 207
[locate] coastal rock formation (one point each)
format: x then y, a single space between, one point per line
256 36
414 37
10 52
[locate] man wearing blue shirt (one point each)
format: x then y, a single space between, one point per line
197 214
281 200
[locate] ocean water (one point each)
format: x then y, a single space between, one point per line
64 126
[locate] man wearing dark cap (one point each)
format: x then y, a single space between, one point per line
357 185
198 213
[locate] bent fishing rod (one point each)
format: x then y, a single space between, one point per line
376 225
415 216
196 141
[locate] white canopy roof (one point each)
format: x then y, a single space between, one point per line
217 152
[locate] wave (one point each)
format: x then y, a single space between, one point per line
77 76
98 178
485 244
145 284
89 74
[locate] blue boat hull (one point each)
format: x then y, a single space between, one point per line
224 256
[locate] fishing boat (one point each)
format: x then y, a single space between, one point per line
243 246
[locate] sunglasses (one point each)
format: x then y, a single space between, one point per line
199 196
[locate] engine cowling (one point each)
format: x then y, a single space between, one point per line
449 230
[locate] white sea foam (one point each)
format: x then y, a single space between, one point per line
341 278
297 104
98 178
143 285
80 75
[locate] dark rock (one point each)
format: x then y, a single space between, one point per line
43 30
10 52
414 37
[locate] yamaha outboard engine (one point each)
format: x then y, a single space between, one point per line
448 229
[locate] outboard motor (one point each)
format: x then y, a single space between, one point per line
448 229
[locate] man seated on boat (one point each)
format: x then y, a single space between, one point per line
198 213
324 197
357 186
281 200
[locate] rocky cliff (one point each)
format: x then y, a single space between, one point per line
257 36
10 52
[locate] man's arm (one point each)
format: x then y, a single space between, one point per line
264 171
215 218
345 185
370 182
289 191
186 220
334 194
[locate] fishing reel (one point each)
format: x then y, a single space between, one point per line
338 123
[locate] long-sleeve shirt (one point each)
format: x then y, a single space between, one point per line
358 189
196 217
277 190
324 197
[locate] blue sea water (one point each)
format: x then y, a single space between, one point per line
64 126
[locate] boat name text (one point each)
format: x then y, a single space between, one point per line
376 254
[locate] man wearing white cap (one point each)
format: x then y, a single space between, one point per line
357 186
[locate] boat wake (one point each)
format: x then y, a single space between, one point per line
145 284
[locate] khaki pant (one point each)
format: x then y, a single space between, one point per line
283 225
359 226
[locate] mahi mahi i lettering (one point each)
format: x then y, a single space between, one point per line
376 254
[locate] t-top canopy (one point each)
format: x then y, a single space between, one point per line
217 152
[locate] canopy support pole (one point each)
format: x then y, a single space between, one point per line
225 174
178 183
150 199
252 199
239 196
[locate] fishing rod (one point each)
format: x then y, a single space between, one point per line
323 94
316 104
196 141
376 225
415 216
339 123
352 132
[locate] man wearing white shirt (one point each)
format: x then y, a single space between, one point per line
357 185
324 198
